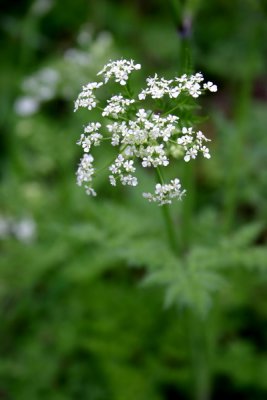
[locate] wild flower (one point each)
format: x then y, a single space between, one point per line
120 70
147 135
87 98
165 193
24 230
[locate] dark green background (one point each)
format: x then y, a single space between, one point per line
77 322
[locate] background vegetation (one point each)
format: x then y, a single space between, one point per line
93 303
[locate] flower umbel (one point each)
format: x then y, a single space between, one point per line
120 70
165 193
151 136
87 97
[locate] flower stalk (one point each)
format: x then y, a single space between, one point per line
153 137
169 225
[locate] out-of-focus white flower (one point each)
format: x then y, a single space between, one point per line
41 7
39 87
43 85
76 56
24 230
26 106
84 36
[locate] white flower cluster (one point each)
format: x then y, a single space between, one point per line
164 193
143 132
192 145
24 230
152 137
120 169
87 98
116 105
159 87
85 173
94 137
120 70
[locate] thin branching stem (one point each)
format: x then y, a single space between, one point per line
168 219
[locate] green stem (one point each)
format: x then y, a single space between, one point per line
199 342
174 108
188 205
200 356
170 229
110 162
186 56
197 327
128 90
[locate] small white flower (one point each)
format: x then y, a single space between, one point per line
85 142
142 95
26 105
93 126
194 90
25 230
191 153
90 191
201 137
210 86
141 114
128 166
112 180
185 140
205 151
129 180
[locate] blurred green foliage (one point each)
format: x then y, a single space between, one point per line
82 282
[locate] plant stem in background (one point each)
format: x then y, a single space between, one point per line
196 326
185 33
200 355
